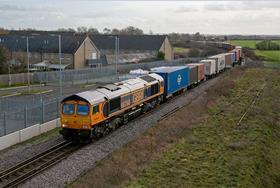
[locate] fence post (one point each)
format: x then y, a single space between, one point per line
57 107
42 106
5 123
25 117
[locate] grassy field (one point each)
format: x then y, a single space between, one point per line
248 43
221 152
269 56
180 50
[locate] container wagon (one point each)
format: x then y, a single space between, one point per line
200 71
228 60
193 75
176 79
220 62
209 67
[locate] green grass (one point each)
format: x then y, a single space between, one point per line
221 153
35 91
248 43
180 50
271 56
16 85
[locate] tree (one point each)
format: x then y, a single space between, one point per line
66 29
267 45
130 30
82 29
194 52
115 32
93 31
107 31
3 60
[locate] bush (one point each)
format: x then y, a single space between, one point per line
194 52
267 45
160 55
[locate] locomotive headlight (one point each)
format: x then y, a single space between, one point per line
85 126
64 125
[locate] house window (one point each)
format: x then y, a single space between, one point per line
93 56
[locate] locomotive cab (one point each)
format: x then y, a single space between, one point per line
78 116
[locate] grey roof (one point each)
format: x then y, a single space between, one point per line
128 42
57 66
96 61
42 43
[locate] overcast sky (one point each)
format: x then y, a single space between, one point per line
210 17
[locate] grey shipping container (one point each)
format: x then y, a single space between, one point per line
220 62
210 67
193 74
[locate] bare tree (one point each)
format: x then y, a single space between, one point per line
93 31
82 29
107 31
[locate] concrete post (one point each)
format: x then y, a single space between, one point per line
42 106
5 123
25 117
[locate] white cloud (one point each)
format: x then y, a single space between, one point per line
221 17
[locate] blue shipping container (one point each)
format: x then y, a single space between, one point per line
175 78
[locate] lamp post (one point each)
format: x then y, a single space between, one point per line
60 76
60 72
27 52
117 49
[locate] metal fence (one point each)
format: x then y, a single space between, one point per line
99 74
18 114
30 115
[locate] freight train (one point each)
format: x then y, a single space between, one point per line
92 114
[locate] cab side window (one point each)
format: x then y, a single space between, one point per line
95 109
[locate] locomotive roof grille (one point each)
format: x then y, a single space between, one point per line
110 87
148 78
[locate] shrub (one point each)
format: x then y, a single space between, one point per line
160 55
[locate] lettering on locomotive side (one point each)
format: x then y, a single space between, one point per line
138 96
125 101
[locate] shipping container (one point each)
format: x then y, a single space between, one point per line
209 67
175 78
228 60
193 74
220 62
200 70
239 48
235 55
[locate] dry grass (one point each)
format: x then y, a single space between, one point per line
128 162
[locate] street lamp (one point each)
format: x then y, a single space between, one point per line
27 54
60 73
117 50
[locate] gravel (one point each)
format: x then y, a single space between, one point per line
79 162
19 153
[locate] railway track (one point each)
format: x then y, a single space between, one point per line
30 167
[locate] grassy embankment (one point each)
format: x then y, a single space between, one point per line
222 153
201 145
270 56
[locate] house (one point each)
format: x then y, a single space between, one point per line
82 51
46 48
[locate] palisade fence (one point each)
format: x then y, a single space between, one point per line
19 114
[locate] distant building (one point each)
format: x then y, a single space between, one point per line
81 51
133 48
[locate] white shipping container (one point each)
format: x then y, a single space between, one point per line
220 62
209 66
